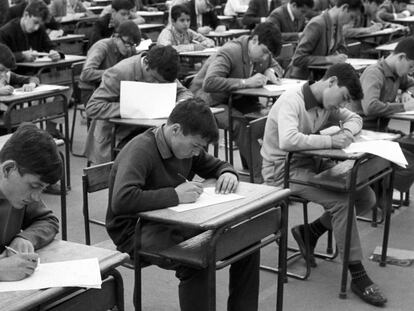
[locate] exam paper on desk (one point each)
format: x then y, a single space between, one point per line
207 198
147 100
39 88
80 273
286 85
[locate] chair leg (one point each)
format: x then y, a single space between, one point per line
72 132
63 200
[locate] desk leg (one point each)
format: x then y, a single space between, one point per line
282 277
345 259
63 201
137 273
230 130
388 209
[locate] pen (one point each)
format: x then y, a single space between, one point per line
186 180
11 250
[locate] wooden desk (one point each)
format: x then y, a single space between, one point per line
386 48
382 33
71 44
49 72
151 30
254 92
72 298
96 9
226 20
222 37
367 169
41 111
153 17
404 20
218 223
199 54
359 64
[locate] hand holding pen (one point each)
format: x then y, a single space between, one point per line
188 191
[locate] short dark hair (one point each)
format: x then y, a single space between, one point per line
401 1
406 46
302 3
7 57
354 5
348 77
195 118
38 8
129 29
165 60
35 152
122 5
177 10
269 35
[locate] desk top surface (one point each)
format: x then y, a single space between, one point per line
60 251
41 90
205 217
382 32
150 13
402 116
387 47
74 19
409 19
263 92
357 63
69 37
68 60
150 26
204 53
228 33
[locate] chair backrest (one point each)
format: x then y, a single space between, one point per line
94 178
255 130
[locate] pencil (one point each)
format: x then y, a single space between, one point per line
11 250
182 176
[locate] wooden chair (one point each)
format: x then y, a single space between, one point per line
255 133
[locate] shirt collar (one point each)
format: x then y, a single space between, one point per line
161 142
387 69
289 9
309 98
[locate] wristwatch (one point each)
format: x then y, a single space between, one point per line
243 83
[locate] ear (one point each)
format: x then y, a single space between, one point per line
401 56
332 81
7 167
255 39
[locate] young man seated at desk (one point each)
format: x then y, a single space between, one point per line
365 22
246 62
151 172
322 41
29 161
293 124
106 53
203 18
290 18
179 35
258 11
26 36
391 10
8 79
159 65
381 83
106 25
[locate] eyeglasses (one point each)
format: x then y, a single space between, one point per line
128 44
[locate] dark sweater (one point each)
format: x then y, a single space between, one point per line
16 11
143 178
101 29
18 80
34 222
13 36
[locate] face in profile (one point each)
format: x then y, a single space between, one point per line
334 96
20 189
186 146
31 23
404 65
258 51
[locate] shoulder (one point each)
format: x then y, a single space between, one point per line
234 48
142 148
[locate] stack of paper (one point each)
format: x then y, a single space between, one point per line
82 273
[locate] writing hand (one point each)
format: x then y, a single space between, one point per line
54 55
341 140
18 266
22 245
258 80
189 192
6 90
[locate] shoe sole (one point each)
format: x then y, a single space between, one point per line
302 248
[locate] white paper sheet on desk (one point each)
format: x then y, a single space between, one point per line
144 45
386 149
358 62
40 88
207 198
43 59
286 85
81 273
147 100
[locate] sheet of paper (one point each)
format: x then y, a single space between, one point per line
144 45
82 273
40 88
207 198
366 135
409 112
361 62
147 100
386 149
286 85
43 59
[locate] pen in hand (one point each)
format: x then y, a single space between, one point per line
11 249
183 177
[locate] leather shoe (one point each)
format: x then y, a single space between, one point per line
300 239
371 294
53 189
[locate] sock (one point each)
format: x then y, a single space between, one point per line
359 275
316 229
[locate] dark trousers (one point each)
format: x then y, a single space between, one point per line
193 287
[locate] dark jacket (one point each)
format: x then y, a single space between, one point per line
289 29
101 29
258 9
209 19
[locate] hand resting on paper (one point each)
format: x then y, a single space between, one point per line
17 266
227 183
189 192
